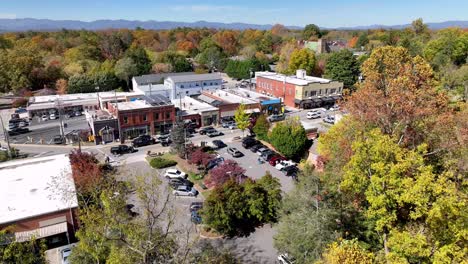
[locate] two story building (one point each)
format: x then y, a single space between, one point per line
300 90
194 84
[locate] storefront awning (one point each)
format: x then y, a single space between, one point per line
254 110
42 232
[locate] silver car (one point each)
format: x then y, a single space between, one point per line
184 190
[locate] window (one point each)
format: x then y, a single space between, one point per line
332 91
297 92
326 91
320 92
181 86
204 83
144 117
168 115
211 83
196 85
305 94
313 93
186 92
125 119
156 116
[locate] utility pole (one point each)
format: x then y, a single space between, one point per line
117 115
59 106
7 138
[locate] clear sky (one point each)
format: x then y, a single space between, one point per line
325 13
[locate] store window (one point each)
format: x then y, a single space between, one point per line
144 117
156 116
168 115
125 119
313 93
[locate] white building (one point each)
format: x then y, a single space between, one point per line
38 198
201 113
150 84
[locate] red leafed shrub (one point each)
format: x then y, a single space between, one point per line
86 171
221 174
199 157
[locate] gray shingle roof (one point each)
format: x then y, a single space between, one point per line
196 77
157 77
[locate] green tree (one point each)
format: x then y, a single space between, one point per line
178 136
419 27
28 252
342 66
261 128
362 41
177 61
311 30
302 59
242 118
125 69
140 58
81 84
289 138
212 57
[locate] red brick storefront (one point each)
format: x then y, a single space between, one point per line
285 91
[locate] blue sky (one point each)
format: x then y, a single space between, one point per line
325 13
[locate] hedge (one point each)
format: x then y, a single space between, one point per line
160 163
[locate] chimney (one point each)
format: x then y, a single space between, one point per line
300 74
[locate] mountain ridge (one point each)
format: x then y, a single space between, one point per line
26 24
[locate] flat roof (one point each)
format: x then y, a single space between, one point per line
291 78
230 97
193 106
196 77
147 102
251 94
37 186
156 77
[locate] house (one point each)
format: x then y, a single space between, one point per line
38 199
300 90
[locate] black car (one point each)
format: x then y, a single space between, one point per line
176 182
58 140
256 147
122 149
143 140
290 171
18 131
249 142
206 130
219 144
213 163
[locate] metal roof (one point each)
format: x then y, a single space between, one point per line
196 77
157 77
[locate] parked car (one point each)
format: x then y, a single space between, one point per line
334 108
18 131
195 206
213 163
234 152
176 182
256 147
66 252
195 217
313 115
284 163
45 117
214 133
249 142
58 139
232 126
260 151
218 144
267 156
143 140
185 191
285 259
274 118
122 149
53 116
277 159
329 120
78 113
226 124
174 174
206 130
290 171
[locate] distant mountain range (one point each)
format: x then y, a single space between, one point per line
25 24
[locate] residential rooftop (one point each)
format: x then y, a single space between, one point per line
33 187
195 77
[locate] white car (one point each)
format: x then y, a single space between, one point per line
184 190
52 116
45 117
284 163
174 174
66 252
313 115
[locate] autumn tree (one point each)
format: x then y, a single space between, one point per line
261 128
302 59
200 158
346 252
227 40
285 54
242 118
61 86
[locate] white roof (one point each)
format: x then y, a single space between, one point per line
251 94
137 104
291 79
191 105
32 187
230 97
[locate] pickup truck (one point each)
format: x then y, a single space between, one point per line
122 149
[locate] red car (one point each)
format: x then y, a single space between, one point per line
273 161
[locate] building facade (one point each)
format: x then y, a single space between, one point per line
152 115
194 84
299 91
200 113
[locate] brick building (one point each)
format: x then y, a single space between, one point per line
38 198
227 102
151 115
300 90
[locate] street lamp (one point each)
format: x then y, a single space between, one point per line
99 101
